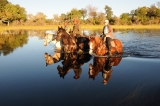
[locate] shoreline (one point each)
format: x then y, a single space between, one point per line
82 27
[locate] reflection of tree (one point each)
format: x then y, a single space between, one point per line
8 43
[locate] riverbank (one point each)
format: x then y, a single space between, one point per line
82 26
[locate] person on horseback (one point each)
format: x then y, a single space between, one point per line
107 35
66 26
76 28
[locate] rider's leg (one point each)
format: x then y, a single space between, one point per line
108 41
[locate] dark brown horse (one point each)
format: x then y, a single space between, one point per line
68 41
98 47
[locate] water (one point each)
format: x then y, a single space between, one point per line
26 80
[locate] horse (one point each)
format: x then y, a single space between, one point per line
82 43
48 37
99 47
56 57
68 41
104 65
73 61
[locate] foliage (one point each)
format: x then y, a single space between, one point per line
17 15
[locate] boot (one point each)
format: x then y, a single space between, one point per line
109 52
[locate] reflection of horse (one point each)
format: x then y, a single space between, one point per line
73 61
53 59
99 47
104 65
52 38
68 41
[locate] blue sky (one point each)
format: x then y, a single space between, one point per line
50 7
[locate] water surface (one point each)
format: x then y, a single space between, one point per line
26 80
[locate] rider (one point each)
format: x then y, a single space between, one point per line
107 35
76 28
66 26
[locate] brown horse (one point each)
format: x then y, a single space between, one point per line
98 47
68 41
104 65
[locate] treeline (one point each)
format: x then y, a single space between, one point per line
11 14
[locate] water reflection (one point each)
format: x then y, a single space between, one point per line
51 59
10 41
69 61
103 65
75 61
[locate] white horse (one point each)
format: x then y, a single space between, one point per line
51 37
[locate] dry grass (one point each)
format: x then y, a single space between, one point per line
82 26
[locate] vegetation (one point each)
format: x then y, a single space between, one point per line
15 15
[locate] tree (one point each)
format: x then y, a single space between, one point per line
152 11
109 12
2 5
83 12
125 19
92 13
40 18
14 12
141 13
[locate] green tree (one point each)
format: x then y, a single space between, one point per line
109 12
76 13
125 19
141 14
2 5
152 11
14 12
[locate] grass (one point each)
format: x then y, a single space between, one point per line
82 26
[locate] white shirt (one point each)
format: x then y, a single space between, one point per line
105 29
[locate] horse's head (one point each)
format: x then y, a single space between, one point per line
49 60
92 44
61 32
97 46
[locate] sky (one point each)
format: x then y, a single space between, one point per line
50 7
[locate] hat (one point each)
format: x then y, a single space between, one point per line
106 21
